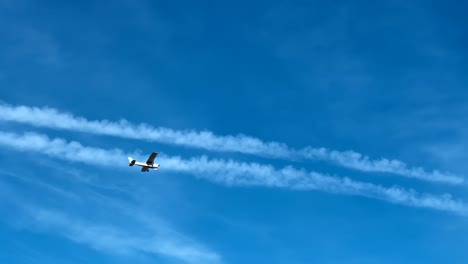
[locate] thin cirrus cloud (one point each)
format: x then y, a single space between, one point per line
52 118
153 237
232 173
120 228
119 241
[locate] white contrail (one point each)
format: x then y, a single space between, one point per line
52 118
233 173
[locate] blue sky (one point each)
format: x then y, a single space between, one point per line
288 132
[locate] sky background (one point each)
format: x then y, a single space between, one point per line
385 79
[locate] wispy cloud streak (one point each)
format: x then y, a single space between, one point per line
52 118
232 173
120 241
120 228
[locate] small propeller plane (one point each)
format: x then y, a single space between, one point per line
145 166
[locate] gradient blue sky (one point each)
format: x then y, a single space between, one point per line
385 79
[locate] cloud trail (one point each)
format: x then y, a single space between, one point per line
52 118
232 173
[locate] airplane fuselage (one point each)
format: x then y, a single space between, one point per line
149 164
143 164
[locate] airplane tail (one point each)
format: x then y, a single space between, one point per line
131 161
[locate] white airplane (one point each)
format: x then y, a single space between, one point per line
149 164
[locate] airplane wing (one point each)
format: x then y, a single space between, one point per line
144 169
151 158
